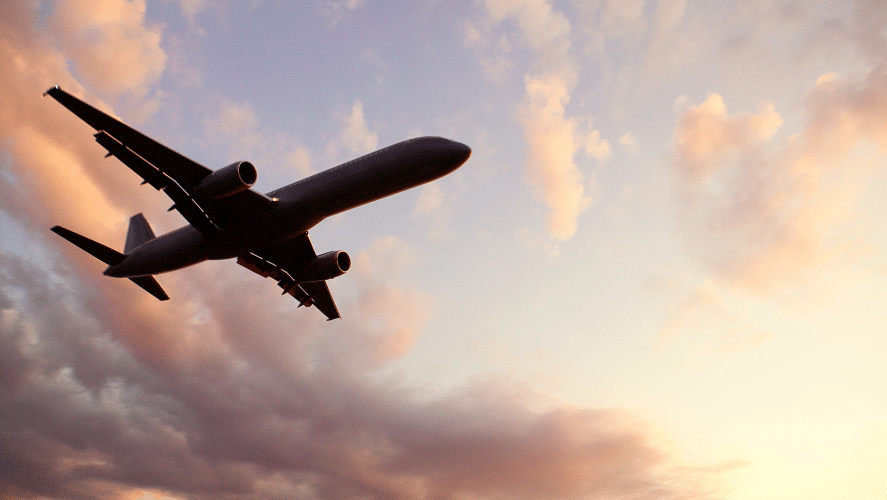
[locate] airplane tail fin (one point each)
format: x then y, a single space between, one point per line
112 257
139 232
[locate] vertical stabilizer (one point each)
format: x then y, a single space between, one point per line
139 233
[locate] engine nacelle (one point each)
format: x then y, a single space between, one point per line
325 267
232 179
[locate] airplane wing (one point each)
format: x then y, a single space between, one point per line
165 169
283 260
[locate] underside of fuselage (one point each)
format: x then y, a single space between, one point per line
186 246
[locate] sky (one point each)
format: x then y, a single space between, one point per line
661 274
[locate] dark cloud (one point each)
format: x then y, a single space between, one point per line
79 410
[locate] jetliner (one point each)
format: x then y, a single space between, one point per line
266 233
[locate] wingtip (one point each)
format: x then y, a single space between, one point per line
51 90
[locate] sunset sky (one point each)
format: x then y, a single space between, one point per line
662 274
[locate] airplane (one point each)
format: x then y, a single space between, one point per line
266 233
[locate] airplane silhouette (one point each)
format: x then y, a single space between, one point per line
266 233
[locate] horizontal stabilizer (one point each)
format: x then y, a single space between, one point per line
150 285
107 255
111 257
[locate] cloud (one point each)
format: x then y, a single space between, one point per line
629 142
392 314
238 129
356 137
85 413
492 54
437 207
109 43
209 400
551 143
552 138
336 11
705 311
51 169
300 161
766 209
606 27
235 124
544 29
191 8
706 135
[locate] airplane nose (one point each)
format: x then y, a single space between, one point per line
442 156
461 152
457 153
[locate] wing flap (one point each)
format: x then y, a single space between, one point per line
182 201
149 173
320 296
189 209
279 262
186 171
165 169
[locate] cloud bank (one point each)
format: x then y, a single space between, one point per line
239 404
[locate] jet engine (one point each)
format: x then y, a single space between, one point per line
325 267
232 179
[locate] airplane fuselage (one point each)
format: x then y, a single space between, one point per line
301 205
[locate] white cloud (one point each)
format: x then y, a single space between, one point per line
704 312
300 161
436 206
356 136
629 142
191 8
238 129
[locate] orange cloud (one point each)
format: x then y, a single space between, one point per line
551 144
706 135
393 315
552 138
765 212
109 43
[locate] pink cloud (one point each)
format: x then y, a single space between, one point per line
765 209
552 138
110 44
86 411
552 141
